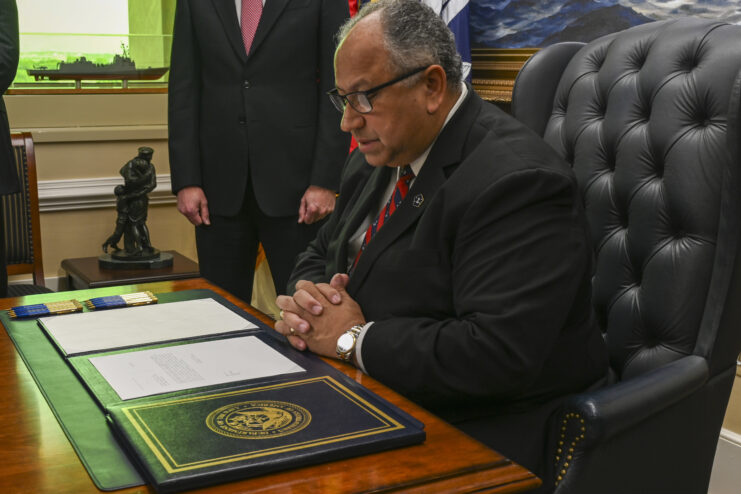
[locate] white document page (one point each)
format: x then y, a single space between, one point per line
133 326
162 370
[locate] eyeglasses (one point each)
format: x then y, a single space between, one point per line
360 100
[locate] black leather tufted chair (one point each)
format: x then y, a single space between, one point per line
649 119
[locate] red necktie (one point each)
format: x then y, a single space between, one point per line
251 12
400 191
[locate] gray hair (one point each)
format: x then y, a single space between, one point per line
414 36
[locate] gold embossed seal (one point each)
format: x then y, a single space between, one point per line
258 419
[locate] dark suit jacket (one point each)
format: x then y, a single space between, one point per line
8 66
479 286
264 115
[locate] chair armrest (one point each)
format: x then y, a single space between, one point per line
591 424
611 410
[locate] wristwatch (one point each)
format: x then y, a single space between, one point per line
346 343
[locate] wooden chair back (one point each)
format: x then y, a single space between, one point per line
21 210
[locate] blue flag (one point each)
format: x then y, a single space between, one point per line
455 15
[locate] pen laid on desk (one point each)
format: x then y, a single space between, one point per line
126 300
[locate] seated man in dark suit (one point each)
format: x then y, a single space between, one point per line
464 283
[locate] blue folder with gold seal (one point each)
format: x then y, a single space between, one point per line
196 437
196 440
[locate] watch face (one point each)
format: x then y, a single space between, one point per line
345 343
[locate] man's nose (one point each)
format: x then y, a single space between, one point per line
351 119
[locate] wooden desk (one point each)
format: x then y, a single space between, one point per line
84 272
36 457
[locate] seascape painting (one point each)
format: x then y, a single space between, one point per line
538 23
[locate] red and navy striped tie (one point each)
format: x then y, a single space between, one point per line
400 191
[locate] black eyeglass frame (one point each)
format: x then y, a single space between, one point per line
341 100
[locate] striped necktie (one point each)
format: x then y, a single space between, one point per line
400 191
251 12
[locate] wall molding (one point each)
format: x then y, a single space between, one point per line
730 436
93 193
726 476
99 133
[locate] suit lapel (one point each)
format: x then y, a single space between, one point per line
270 14
227 12
447 151
364 201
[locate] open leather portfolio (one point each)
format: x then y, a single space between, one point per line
199 392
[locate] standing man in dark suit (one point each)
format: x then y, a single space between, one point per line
255 146
467 288
8 66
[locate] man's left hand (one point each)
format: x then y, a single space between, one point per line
316 203
319 318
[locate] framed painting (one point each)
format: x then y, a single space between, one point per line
505 33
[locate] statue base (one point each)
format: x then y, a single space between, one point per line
144 255
121 260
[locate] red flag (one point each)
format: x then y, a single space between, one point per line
353 7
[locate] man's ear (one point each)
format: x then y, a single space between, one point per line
436 85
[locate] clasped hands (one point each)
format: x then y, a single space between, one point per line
317 314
